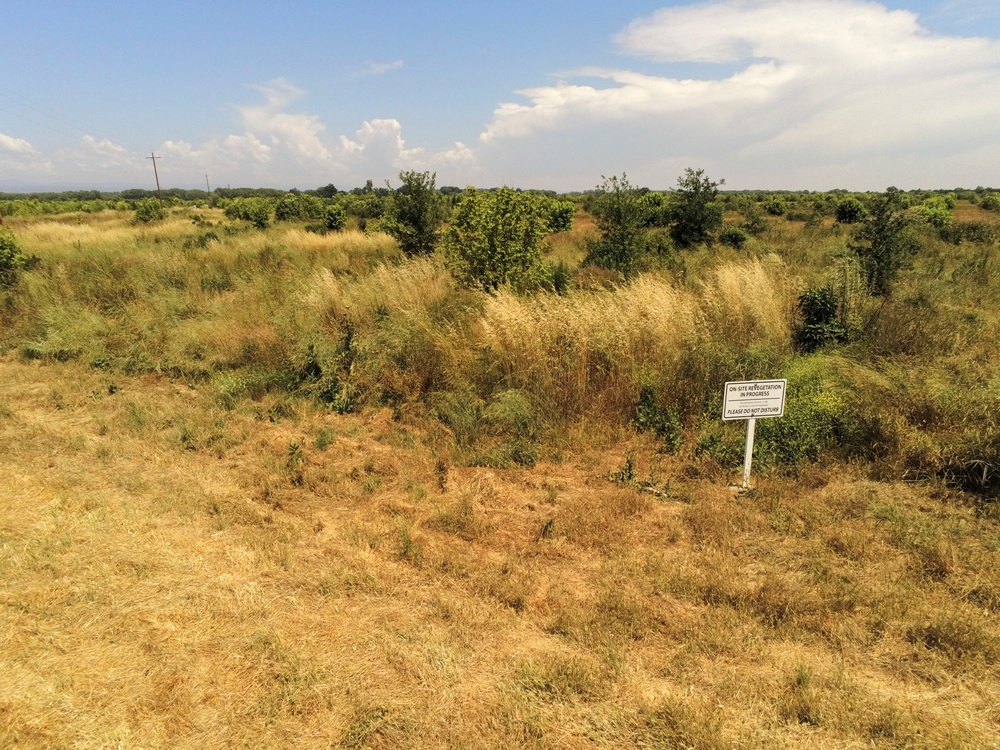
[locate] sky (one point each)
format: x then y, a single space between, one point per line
549 94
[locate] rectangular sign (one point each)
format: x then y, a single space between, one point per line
753 398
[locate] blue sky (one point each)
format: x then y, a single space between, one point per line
778 94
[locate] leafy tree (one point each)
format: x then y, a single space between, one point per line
495 239
883 243
695 212
851 211
414 213
327 191
621 213
12 261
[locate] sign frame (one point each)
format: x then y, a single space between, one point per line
746 399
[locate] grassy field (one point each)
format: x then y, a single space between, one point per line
272 489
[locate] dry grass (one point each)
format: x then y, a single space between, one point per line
176 575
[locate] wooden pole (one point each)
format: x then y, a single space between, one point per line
159 195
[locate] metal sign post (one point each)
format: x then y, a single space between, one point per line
749 400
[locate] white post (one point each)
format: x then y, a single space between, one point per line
748 457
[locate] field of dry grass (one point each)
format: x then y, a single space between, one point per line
189 561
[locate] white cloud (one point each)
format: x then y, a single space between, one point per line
17 146
298 135
104 154
814 80
379 147
377 69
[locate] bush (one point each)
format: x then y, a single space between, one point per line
147 210
257 211
620 214
495 239
884 244
735 237
561 216
977 232
820 326
12 261
850 211
414 213
775 207
695 212
335 218
662 421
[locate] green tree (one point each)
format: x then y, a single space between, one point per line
883 243
695 212
414 213
495 239
621 214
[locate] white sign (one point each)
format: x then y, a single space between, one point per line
753 399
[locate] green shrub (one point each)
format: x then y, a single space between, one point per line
734 237
820 324
561 216
414 213
12 260
335 217
147 210
620 214
695 211
256 211
775 206
851 211
651 416
495 239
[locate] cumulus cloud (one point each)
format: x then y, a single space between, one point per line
297 134
798 78
379 146
17 146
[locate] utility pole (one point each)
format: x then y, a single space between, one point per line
207 189
159 195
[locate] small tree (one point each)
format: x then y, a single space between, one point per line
620 213
414 213
883 243
495 239
695 212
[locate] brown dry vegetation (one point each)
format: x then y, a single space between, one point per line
196 551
